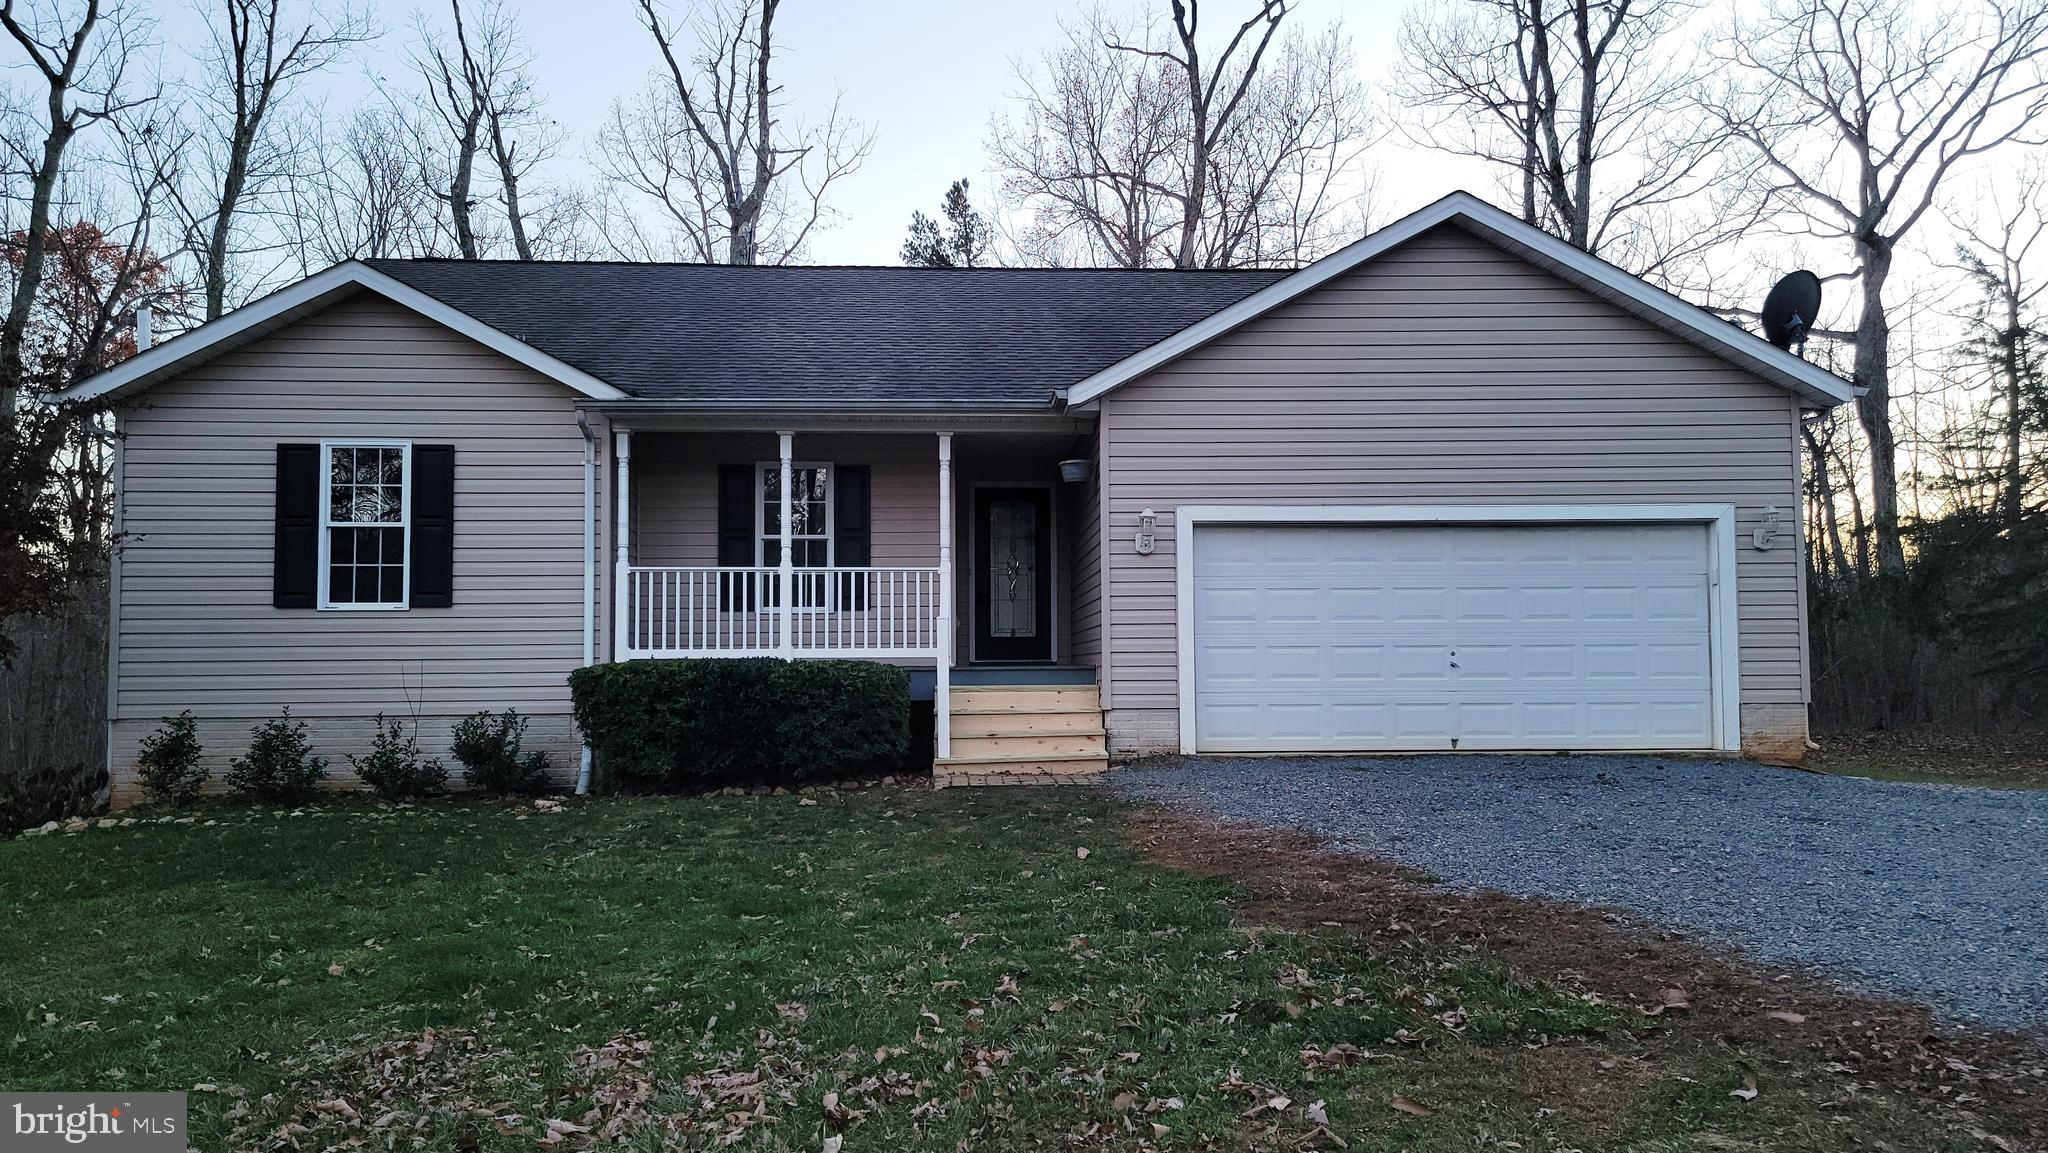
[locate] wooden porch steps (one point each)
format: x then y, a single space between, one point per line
1024 734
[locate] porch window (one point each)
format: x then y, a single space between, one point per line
365 514
810 526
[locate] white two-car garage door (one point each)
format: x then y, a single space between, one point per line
1413 637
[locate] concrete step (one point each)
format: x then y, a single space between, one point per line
1054 746
1008 722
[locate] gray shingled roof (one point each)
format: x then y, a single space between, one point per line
868 337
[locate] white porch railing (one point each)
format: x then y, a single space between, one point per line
836 612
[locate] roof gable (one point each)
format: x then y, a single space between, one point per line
1634 295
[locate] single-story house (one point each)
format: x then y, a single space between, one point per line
1457 486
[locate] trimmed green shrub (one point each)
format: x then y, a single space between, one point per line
755 719
169 763
393 769
489 748
280 766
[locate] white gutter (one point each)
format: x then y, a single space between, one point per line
589 573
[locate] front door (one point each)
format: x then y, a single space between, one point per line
1013 574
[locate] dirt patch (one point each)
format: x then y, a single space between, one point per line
1679 997
2010 758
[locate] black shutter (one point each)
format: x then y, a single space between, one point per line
850 517
295 552
852 530
735 529
433 526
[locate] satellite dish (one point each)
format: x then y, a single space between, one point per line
1790 308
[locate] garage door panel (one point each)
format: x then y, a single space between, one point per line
1328 638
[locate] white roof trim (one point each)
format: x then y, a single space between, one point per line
287 304
1652 303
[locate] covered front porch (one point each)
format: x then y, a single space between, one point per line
949 552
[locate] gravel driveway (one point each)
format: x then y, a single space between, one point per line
1935 892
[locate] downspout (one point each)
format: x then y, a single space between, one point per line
589 573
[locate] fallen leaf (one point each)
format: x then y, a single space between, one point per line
833 1143
335 970
1124 1101
1671 999
1748 1090
1278 1104
1411 1107
1080 854
1159 1131
1316 1114
1787 1016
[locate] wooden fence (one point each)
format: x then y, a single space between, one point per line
53 695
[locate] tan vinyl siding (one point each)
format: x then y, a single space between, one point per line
197 627
675 480
1086 535
1446 371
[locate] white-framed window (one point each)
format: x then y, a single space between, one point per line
810 524
365 524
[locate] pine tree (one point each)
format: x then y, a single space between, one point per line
961 242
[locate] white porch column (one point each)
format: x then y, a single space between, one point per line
622 593
784 577
942 693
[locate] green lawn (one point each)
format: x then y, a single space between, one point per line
948 966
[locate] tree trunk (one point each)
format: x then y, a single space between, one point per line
458 185
2012 504
1824 486
29 283
508 177
1873 408
1580 210
232 184
1198 153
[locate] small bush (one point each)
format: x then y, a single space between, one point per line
669 723
280 766
393 769
34 797
492 760
171 772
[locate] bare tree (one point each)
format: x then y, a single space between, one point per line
370 198
1577 102
1997 250
520 136
711 142
239 153
82 64
454 94
1854 112
489 113
1128 148
1203 85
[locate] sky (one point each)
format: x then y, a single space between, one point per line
926 75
